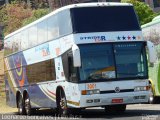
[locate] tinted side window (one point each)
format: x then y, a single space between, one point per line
64 20
32 36
69 70
7 49
42 31
65 65
17 40
42 71
53 28
24 39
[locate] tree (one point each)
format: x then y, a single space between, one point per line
144 12
1 37
15 15
36 14
53 4
12 15
39 4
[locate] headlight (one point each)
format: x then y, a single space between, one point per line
90 92
141 88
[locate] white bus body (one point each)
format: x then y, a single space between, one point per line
93 54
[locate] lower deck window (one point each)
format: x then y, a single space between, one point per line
42 71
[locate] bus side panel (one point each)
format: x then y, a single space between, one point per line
15 76
10 94
154 75
72 92
156 78
40 97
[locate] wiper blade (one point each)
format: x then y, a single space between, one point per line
95 77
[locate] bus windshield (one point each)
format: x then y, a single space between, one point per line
113 61
102 19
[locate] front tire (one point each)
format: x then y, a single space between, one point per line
62 103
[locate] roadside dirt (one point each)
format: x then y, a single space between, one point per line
4 108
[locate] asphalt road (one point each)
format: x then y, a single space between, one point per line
133 112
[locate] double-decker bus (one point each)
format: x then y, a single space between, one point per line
151 31
78 56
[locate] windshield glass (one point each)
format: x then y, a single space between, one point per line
130 60
102 19
97 62
113 61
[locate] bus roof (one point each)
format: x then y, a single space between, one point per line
153 22
98 4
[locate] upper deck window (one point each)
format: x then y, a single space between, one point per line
103 19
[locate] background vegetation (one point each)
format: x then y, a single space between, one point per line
144 12
14 16
17 14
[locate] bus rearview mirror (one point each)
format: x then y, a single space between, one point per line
151 52
76 56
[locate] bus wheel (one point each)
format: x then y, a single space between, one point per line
115 108
27 105
62 103
21 109
151 95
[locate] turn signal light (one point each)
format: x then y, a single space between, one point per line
84 92
90 92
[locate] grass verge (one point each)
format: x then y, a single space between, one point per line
5 108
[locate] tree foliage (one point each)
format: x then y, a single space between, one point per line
36 15
14 16
144 12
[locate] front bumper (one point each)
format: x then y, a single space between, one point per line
97 100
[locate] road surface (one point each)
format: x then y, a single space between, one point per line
133 112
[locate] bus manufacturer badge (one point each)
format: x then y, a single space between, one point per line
117 89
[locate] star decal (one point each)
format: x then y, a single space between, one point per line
124 38
134 38
129 38
139 37
119 38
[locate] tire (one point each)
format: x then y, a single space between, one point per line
21 108
115 108
152 98
62 108
28 109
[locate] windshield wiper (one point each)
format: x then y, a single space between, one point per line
135 75
95 77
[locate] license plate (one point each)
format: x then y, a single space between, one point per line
117 100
